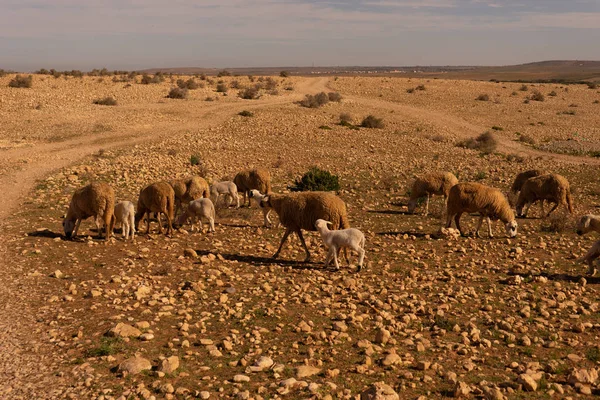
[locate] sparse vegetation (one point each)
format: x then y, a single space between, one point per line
284 74
370 121
334 97
497 128
147 79
552 93
524 88
485 143
195 159
190 84
177 93
223 73
527 139
483 97
246 113
250 93
325 127
316 179
315 101
221 88
537 96
106 101
345 119
557 222
107 347
21 81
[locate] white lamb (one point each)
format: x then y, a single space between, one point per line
257 197
350 238
125 215
198 209
227 188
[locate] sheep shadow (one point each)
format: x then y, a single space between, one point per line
266 261
46 234
562 277
389 212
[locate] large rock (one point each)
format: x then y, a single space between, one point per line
261 364
169 365
461 389
124 330
529 384
583 376
382 336
304 371
379 391
135 365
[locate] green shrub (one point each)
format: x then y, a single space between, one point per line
195 159
177 93
106 101
316 179
486 143
371 121
21 81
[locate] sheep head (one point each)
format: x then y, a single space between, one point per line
511 228
583 225
322 224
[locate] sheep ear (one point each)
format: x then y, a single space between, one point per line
587 222
329 223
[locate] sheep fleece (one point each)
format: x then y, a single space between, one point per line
302 210
474 197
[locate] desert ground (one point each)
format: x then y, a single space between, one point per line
429 316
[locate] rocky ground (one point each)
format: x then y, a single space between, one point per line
212 316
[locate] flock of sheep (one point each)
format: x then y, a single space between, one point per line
316 211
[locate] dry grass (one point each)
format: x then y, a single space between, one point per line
21 81
485 143
106 101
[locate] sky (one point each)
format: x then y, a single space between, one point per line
137 34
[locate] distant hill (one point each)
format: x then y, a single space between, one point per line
542 71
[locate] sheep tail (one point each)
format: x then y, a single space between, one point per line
344 223
569 202
170 207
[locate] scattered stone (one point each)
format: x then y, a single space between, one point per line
135 365
169 365
379 391
124 330
305 371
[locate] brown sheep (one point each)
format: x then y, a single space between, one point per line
552 187
94 200
520 180
588 223
189 189
159 198
438 183
299 211
259 179
490 203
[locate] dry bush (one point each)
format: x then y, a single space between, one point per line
557 222
552 93
536 96
106 101
190 84
221 88
527 139
410 90
235 84
515 157
334 96
147 79
250 93
223 73
315 101
370 121
270 84
177 93
21 81
345 119
592 85
246 113
524 88
486 143
483 97
284 74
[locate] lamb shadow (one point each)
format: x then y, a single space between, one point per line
46 234
265 261
398 233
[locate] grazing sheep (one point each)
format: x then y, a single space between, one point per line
588 223
299 211
94 200
125 215
490 203
196 210
438 183
227 188
592 254
259 179
350 238
552 187
520 180
257 197
189 189
159 198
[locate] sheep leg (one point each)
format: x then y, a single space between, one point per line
237 199
246 195
169 225
361 257
449 221
427 205
552 209
132 226
479 226
542 206
211 223
148 223
526 209
335 250
285 236
307 259
77 223
591 270
457 222
328 258
490 234
267 220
